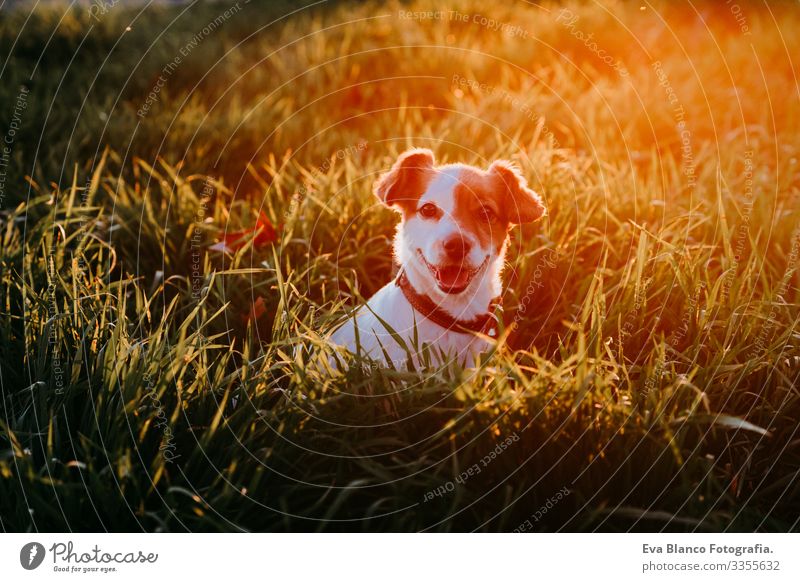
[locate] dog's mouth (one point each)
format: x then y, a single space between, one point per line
453 278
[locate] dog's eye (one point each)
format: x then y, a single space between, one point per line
428 210
488 214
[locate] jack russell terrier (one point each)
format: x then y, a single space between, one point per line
450 246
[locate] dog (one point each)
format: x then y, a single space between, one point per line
450 246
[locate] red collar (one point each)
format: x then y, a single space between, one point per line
485 324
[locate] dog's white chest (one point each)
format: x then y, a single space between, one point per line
388 320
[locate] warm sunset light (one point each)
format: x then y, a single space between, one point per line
405 266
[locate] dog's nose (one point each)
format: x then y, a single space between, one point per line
456 247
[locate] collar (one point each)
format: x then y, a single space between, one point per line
485 324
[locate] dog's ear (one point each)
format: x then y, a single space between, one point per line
522 204
407 180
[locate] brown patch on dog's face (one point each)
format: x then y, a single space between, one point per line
403 185
480 207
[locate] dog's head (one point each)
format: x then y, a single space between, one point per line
455 217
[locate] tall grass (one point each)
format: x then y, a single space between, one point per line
649 361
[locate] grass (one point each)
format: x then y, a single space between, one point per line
651 355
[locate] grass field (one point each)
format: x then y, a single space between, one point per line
647 376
